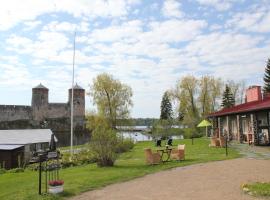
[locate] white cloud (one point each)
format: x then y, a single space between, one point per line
12 75
174 30
31 24
220 5
171 8
13 12
229 55
47 45
255 20
117 32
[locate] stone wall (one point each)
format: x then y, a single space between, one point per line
11 113
58 110
17 124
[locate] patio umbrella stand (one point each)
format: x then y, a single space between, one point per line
205 123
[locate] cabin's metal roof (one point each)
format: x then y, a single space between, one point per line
25 136
243 108
9 147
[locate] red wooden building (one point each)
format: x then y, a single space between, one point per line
247 122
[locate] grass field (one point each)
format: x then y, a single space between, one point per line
88 177
258 189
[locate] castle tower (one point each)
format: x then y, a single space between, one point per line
78 99
40 101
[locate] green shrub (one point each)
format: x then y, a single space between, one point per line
103 141
124 145
2 170
85 156
33 167
103 144
16 170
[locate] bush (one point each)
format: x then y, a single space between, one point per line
84 156
103 141
2 170
16 170
103 144
124 145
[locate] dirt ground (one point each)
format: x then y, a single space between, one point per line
208 181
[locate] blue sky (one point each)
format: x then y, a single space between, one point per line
148 45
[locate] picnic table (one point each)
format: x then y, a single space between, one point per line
166 151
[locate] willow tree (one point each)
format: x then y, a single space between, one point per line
205 95
215 93
186 93
113 98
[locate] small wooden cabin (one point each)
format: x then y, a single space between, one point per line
248 122
18 146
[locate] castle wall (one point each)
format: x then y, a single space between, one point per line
58 110
12 113
56 116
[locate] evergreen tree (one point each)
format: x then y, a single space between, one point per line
266 78
227 100
166 107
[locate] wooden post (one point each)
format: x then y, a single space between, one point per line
39 178
227 124
252 127
219 128
238 127
226 144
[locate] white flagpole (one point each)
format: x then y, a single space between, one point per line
72 97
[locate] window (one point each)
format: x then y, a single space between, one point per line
262 119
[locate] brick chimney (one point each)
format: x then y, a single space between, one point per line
253 93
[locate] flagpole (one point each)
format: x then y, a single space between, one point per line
72 97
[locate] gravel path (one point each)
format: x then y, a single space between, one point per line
208 181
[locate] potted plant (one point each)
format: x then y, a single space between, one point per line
56 186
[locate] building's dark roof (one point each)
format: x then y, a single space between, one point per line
24 136
242 108
77 87
40 86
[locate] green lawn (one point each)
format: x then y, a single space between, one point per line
258 189
88 177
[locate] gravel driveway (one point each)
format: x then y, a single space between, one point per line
219 180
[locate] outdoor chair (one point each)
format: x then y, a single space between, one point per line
179 153
214 142
152 158
158 143
169 142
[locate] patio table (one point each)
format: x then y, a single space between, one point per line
166 151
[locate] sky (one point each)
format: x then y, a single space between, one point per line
147 44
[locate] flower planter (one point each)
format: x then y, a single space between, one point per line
56 189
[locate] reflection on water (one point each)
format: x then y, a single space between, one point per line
138 136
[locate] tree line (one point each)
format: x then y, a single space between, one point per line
194 98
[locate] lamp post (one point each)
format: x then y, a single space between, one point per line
72 99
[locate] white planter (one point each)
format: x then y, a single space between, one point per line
56 189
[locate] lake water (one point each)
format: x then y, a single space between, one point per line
138 136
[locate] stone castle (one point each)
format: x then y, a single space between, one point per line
43 114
